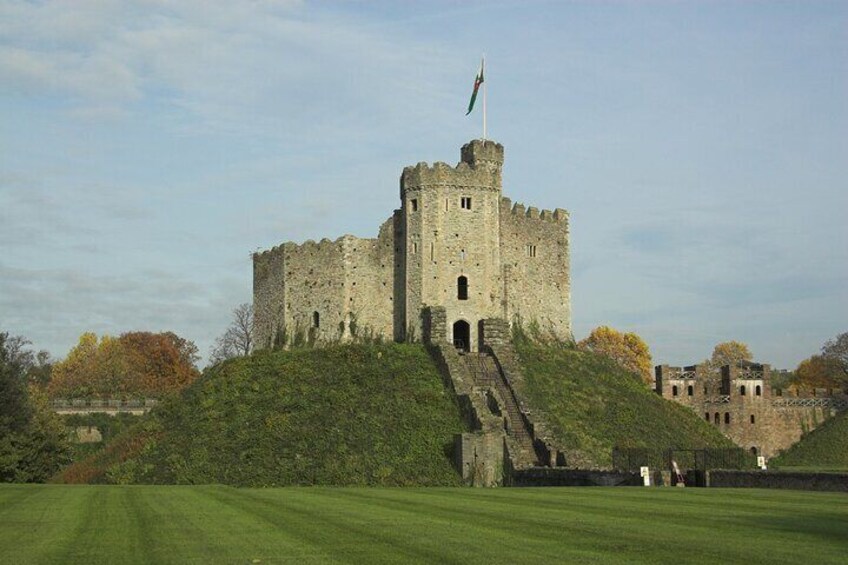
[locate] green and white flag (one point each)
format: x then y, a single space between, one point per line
477 82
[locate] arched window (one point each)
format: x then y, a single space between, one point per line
716 419
707 416
690 390
462 288
674 390
752 418
753 451
316 320
742 390
727 417
758 391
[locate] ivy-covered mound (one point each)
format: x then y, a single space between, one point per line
824 448
345 415
592 405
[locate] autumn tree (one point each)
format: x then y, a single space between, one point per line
730 353
237 340
155 363
628 350
132 365
816 372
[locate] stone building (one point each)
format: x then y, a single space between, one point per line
455 242
740 401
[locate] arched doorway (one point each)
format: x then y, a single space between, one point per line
462 335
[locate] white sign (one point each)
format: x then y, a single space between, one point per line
761 462
646 476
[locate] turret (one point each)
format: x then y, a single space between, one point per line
483 154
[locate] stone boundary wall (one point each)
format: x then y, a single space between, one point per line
559 477
773 479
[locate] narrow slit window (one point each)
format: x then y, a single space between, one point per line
690 390
432 251
531 250
742 390
758 391
727 417
674 390
414 247
414 203
316 320
462 288
753 419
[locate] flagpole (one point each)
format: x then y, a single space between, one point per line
483 69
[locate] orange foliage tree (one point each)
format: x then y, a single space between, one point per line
136 364
627 349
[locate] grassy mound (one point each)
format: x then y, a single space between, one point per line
346 415
592 405
825 448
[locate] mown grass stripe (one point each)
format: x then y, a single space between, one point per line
344 538
213 524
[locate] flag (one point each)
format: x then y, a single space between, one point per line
477 82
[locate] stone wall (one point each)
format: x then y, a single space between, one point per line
741 404
535 264
349 283
269 296
770 479
559 477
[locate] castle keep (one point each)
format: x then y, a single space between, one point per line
454 244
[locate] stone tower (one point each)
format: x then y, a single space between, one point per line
452 239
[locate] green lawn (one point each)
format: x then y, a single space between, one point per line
217 524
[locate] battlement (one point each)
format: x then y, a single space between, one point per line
519 211
311 245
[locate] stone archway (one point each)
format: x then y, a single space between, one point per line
462 335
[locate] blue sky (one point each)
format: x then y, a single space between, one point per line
147 148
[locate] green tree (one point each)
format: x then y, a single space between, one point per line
628 350
33 442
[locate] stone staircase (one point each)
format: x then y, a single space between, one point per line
519 439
